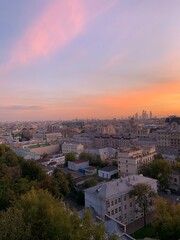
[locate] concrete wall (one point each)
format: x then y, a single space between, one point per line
99 205
105 174
46 149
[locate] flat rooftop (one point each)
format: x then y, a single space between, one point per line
109 168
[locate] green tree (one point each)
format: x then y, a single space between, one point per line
9 158
7 195
144 196
158 169
86 156
100 231
3 149
70 157
12 225
49 218
32 170
167 223
90 183
62 182
94 160
45 155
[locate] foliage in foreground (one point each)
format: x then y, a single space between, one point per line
18 176
37 215
167 224
144 197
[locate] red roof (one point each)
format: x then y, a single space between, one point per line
79 161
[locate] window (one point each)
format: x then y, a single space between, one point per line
116 201
124 198
119 200
130 204
125 206
119 209
112 203
116 210
112 212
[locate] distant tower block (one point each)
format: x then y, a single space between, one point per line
150 115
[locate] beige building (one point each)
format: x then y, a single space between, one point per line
169 142
113 199
130 160
43 148
72 147
169 138
114 141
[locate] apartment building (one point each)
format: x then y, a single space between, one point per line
72 147
175 180
78 164
113 199
168 139
131 160
169 142
114 141
108 172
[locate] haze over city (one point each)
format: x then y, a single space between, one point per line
63 59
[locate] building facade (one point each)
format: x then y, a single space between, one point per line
114 141
72 147
78 164
131 160
168 140
108 172
113 199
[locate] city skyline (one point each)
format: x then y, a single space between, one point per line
64 59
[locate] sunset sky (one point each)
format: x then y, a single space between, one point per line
64 59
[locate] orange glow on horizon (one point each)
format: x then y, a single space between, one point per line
162 98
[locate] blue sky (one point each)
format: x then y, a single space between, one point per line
62 59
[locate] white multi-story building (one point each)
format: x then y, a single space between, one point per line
130 160
108 172
59 158
113 199
78 164
72 147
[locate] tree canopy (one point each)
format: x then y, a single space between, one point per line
94 160
31 204
37 215
144 196
158 169
167 224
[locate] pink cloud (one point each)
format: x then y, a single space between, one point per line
54 29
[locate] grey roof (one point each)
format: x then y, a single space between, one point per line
109 168
23 153
120 186
113 227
